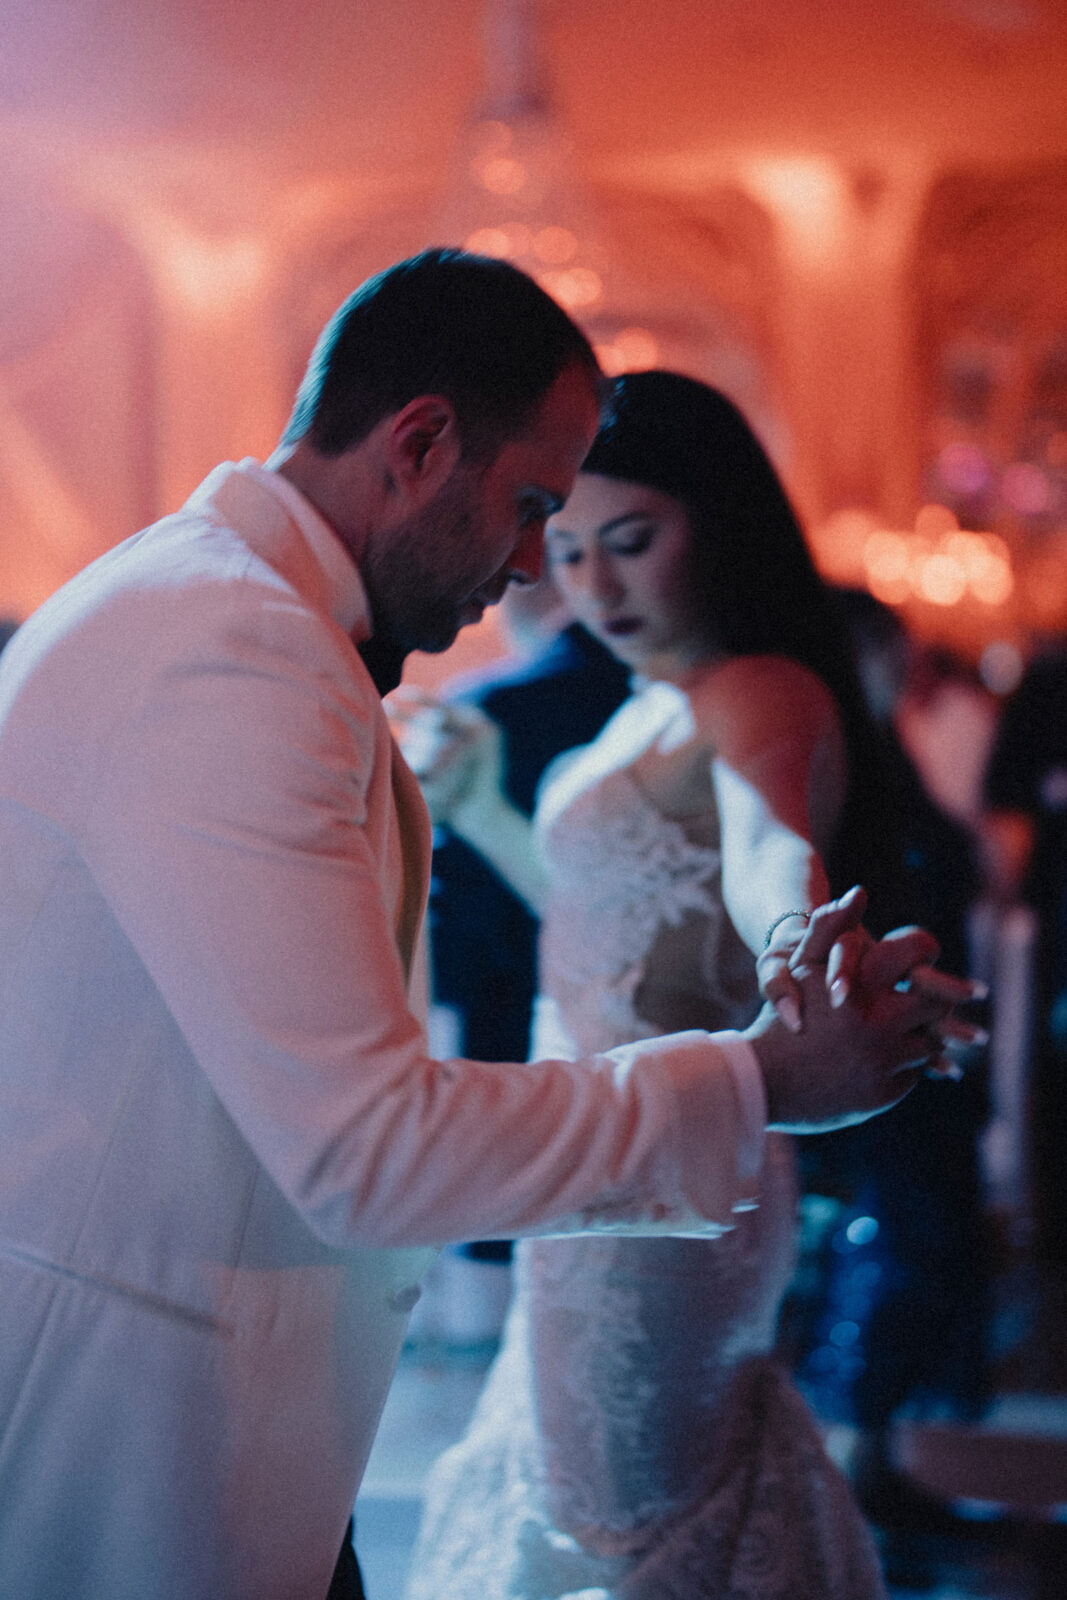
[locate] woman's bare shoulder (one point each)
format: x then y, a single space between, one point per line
759 691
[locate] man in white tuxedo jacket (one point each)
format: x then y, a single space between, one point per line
224 1150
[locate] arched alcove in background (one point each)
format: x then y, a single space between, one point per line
775 191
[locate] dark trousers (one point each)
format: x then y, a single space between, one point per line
346 1583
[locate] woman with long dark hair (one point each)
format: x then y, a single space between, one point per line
636 1436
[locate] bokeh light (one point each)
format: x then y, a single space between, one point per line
500 175
1000 666
963 469
941 580
631 350
574 287
938 563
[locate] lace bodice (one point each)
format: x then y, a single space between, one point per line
635 938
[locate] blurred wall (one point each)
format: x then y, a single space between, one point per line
853 220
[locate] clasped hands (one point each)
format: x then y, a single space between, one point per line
875 1017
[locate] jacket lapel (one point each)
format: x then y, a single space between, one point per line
416 848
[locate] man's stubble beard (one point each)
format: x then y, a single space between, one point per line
411 602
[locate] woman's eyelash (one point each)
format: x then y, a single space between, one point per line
634 544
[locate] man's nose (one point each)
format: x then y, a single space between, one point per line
603 579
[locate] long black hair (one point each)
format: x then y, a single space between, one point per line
759 589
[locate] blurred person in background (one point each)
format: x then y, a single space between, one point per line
909 1267
1025 826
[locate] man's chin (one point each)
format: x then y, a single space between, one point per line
444 635
435 643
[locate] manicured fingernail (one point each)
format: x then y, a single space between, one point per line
789 1012
838 992
979 990
980 1036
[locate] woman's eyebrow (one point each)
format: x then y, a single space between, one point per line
618 522
605 527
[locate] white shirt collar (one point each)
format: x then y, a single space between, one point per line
347 596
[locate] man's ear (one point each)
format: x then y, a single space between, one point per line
423 445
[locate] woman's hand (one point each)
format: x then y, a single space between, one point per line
788 941
776 982
902 962
453 750
855 961
457 754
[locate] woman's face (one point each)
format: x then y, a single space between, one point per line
621 556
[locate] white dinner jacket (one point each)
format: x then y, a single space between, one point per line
223 1146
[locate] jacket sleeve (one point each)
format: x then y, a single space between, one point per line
238 832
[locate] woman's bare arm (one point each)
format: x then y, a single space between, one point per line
779 775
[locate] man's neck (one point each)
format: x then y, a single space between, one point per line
384 660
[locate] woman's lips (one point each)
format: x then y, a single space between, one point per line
619 627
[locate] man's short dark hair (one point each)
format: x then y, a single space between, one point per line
471 328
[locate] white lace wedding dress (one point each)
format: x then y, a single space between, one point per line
635 1437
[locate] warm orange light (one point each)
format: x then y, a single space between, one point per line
638 349
837 544
574 286
632 350
489 242
810 195
933 520
887 563
610 359
500 175
938 562
211 275
986 564
942 580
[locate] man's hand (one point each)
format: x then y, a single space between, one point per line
859 1057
